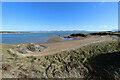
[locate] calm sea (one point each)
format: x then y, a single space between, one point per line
20 38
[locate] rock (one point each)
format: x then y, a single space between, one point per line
36 47
23 51
79 34
67 36
18 45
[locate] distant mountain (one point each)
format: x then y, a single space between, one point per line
68 31
115 30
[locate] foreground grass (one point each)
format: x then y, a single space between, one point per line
98 60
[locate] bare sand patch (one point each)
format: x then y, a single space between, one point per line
66 45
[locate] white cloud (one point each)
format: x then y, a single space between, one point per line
70 27
105 26
62 27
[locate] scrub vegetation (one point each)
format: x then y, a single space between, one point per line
104 33
99 61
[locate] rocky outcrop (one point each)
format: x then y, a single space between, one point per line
79 34
31 47
36 47
23 51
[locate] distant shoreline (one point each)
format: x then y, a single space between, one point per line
7 32
20 32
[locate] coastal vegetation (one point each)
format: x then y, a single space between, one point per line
79 34
95 61
103 33
106 33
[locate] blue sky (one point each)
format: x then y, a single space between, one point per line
47 16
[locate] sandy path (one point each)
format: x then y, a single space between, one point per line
66 45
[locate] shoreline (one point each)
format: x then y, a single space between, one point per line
54 47
53 39
43 38
56 44
66 45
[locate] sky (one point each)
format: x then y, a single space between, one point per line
49 16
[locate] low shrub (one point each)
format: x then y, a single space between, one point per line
79 34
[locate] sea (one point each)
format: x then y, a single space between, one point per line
22 38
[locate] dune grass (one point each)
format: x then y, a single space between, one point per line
96 60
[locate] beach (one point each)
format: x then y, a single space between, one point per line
66 45
55 43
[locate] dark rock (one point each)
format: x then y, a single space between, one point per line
102 33
23 51
79 34
67 36
36 47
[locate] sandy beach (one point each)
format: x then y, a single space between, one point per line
66 45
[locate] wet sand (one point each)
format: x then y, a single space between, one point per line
66 45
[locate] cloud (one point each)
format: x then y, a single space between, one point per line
62 27
70 27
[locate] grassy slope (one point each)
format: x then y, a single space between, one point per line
96 60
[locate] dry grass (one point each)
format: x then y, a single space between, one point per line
80 63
